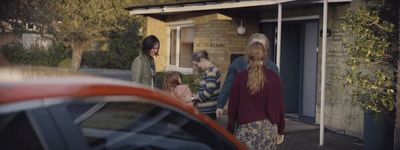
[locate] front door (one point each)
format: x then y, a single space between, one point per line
309 70
298 68
290 65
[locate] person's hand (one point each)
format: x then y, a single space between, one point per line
195 97
280 139
219 112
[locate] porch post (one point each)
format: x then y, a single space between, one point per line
323 72
278 47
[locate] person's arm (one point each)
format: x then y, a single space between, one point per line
233 105
281 124
211 79
226 88
272 66
275 96
183 92
136 70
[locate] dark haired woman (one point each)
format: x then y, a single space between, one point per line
256 103
143 67
209 87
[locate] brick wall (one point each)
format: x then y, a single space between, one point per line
219 37
340 112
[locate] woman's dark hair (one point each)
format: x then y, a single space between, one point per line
198 55
148 44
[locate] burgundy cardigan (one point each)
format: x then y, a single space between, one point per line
266 104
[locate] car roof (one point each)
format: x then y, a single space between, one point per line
29 89
44 87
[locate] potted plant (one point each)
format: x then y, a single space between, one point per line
371 60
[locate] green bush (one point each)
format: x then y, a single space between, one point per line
36 56
371 59
123 47
192 80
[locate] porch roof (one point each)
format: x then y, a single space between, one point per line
202 5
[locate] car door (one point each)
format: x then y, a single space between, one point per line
28 125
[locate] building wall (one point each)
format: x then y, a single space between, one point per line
219 37
214 32
341 114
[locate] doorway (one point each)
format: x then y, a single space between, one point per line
298 68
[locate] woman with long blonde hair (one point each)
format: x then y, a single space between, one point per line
255 109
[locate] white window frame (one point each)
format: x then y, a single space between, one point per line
176 25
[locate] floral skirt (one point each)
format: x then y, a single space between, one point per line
258 135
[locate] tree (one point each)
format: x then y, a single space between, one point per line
78 23
19 13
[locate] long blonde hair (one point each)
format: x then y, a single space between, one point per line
256 54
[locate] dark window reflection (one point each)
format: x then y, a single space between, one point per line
16 132
134 125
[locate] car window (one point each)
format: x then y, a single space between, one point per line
17 132
141 125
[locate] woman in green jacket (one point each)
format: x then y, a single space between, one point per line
143 67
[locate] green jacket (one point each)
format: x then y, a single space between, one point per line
143 70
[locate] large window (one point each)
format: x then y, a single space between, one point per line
181 46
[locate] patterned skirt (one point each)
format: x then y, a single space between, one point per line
258 135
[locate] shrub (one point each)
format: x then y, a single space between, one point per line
123 47
36 56
371 59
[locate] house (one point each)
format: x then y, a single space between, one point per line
212 25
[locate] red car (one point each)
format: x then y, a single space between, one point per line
74 113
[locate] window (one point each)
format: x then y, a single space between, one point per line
140 125
17 132
181 47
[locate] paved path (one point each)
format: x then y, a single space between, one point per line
303 136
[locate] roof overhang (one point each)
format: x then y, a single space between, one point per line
164 9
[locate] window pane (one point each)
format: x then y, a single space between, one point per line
16 132
186 47
172 54
137 125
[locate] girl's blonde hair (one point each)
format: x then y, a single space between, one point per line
256 54
171 80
